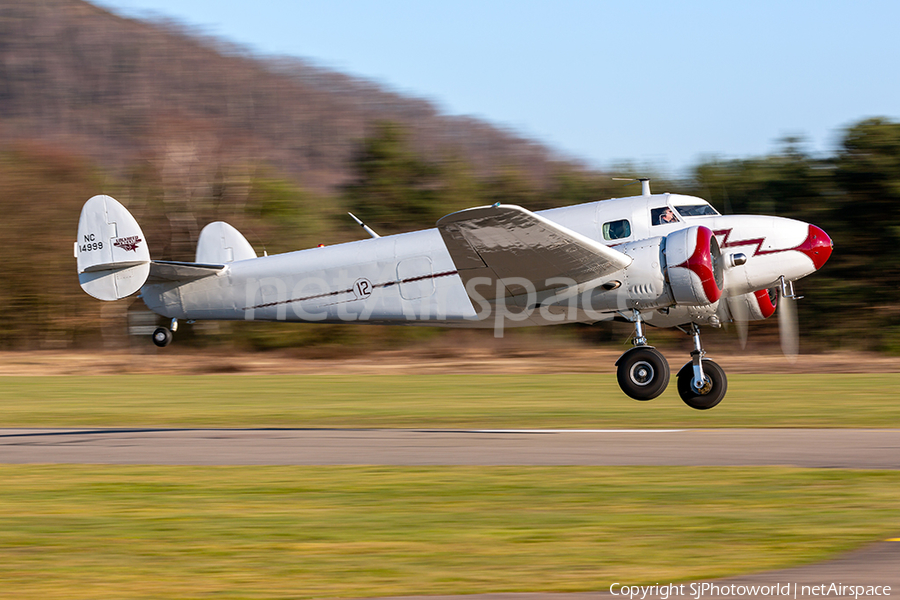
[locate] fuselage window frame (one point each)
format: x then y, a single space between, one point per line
616 230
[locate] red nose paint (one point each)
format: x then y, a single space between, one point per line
817 246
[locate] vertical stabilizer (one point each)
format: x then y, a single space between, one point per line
113 258
220 243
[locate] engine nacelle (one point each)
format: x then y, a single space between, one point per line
753 306
694 266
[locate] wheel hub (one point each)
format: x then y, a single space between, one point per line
705 388
642 373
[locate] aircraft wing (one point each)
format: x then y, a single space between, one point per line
168 270
507 241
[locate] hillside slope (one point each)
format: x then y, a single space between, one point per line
121 90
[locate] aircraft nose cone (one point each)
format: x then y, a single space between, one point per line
817 247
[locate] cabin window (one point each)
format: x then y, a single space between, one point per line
697 210
616 230
662 216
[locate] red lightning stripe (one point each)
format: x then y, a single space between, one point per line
726 244
817 245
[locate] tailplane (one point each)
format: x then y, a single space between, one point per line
113 257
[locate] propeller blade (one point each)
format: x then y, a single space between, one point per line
740 316
787 326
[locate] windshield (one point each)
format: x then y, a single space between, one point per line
696 210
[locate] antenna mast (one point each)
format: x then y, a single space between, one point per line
365 227
645 183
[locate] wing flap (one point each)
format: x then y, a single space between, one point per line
509 242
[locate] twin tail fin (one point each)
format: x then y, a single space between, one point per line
114 258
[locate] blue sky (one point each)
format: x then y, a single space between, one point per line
663 84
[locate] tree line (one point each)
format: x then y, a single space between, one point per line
185 130
853 194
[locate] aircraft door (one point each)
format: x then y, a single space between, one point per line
416 277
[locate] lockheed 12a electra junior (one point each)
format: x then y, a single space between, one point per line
665 260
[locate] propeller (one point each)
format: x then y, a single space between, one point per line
741 318
738 313
787 322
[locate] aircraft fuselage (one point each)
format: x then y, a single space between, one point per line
410 278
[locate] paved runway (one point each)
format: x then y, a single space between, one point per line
816 448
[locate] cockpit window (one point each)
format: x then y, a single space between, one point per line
696 210
662 216
616 230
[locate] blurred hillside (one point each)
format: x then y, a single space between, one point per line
185 130
120 90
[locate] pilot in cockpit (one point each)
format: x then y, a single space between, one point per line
662 216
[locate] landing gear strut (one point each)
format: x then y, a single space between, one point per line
701 383
162 337
643 372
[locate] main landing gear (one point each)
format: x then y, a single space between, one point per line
162 337
643 372
701 383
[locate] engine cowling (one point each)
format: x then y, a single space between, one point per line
694 266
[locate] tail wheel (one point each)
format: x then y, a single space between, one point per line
162 337
713 390
643 373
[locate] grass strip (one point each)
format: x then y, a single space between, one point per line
483 401
93 532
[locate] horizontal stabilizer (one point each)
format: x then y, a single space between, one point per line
506 242
168 270
220 243
112 254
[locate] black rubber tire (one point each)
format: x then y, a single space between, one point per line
162 337
695 399
643 373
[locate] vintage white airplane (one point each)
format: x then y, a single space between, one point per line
662 259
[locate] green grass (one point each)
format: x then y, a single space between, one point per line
508 401
294 532
297 532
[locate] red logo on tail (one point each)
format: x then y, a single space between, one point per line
128 243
